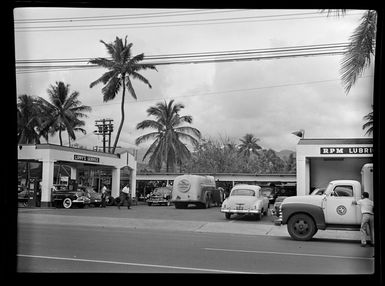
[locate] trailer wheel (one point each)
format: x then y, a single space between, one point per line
67 203
301 227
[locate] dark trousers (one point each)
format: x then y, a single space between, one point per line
124 197
103 201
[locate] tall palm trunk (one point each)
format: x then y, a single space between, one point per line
122 120
61 140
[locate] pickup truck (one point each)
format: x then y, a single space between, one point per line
305 215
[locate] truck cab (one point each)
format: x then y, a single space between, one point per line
305 215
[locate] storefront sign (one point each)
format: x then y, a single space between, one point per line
346 150
86 158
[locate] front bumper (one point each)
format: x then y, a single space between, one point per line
82 201
244 211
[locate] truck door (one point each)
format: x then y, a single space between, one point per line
338 206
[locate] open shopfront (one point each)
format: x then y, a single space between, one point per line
41 166
320 161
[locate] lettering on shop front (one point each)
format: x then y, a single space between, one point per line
86 158
346 150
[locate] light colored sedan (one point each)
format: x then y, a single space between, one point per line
245 199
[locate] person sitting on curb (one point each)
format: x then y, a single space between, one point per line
367 220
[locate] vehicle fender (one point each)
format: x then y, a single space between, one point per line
316 212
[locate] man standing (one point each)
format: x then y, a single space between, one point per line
367 220
125 196
104 195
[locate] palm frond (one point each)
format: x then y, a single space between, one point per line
149 124
104 78
146 137
357 57
138 76
130 88
111 88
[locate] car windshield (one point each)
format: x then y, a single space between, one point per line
243 192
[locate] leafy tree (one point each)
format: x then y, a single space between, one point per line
369 123
167 146
28 120
63 111
249 145
121 68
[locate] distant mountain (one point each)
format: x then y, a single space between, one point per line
284 154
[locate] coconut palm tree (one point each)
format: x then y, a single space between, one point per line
63 111
249 145
369 123
27 120
167 146
121 68
361 49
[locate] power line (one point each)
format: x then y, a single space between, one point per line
233 59
162 24
130 16
192 58
201 54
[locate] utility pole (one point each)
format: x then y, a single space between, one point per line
105 128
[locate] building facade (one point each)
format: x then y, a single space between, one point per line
80 162
320 161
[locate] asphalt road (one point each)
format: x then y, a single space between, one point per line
51 248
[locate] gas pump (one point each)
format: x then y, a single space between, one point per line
34 193
72 185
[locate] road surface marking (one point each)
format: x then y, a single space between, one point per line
135 264
289 253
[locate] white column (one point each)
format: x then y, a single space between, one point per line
133 182
301 176
47 182
73 173
115 184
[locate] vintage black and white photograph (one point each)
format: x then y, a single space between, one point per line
195 141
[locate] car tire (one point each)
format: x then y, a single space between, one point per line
110 201
301 227
227 215
67 203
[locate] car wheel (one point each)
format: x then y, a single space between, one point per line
111 201
301 227
67 203
227 215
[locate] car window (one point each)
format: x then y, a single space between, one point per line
242 192
344 191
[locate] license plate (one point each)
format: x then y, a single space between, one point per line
239 207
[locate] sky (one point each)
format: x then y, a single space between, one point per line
268 98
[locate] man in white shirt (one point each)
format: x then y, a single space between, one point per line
125 195
367 219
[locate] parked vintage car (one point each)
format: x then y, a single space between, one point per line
95 197
160 196
63 197
245 199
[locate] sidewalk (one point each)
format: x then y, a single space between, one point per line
231 227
